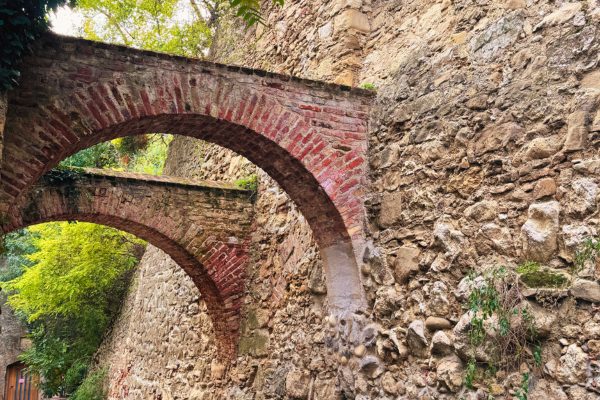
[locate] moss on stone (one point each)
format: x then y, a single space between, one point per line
543 279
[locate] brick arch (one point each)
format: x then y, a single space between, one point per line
203 226
311 137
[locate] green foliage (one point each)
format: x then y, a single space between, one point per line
524 390
151 159
470 373
18 246
102 155
249 10
368 86
146 155
131 144
152 24
21 21
250 183
4 219
530 267
75 264
93 387
77 275
588 252
495 304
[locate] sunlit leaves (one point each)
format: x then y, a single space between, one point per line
74 279
74 263
171 26
21 21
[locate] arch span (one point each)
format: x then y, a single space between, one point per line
204 226
311 137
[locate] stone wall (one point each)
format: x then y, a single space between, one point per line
11 332
483 152
3 107
163 345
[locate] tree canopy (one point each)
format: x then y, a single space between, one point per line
77 276
74 263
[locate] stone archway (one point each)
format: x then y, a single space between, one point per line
311 137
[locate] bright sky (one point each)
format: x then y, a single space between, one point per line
65 21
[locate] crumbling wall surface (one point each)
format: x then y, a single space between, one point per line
163 346
483 154
11 332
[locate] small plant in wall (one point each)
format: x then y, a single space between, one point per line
589 251
249 183
368 86
502 325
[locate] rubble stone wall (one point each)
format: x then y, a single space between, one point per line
483 153
11 332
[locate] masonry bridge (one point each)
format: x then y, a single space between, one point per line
202 225
310 137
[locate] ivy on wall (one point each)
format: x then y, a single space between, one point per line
21 21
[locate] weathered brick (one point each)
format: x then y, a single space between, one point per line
128 201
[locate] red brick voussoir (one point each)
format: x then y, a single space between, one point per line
204 226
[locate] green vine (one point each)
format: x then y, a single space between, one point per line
68 178
588 252
524 390
4 219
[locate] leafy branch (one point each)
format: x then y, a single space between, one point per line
249 10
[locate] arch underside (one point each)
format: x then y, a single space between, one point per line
325 220
225 326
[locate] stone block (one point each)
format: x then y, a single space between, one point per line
544 187
515 4
540 231
297 385
571 238
483 211
406 263
458 38
496 137
573 366
586 290
560 16
256 345
258 318
345 78
441 344
577 132
391 209
436 323
352 19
